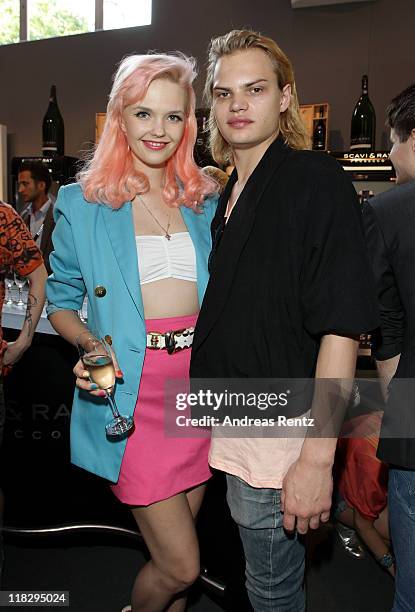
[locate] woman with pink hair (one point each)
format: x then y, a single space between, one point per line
133 234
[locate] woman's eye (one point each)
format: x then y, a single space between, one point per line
141 115
222 94
175 118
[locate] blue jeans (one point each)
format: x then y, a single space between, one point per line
402 523
274 559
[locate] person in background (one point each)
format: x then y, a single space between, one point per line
362 483
18 253
218 175
34 181
389 220
289 293
133 234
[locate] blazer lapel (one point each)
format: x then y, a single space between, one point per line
120 228
235 236
198 228
26 218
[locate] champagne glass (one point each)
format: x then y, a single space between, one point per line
20 282
9 282
83 311
96 355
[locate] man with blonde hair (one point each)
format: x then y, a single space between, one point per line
289 293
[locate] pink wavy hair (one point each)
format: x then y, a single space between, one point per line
109 176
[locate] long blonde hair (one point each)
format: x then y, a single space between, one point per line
291 126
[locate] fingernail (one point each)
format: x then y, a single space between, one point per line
119 374
102 394
94 386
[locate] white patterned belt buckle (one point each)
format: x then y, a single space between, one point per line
154 340
173 341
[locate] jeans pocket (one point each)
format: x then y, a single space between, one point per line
251 507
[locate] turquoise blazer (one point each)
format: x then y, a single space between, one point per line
95 246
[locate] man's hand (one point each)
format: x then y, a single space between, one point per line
308 484
306 496
14 352
386 371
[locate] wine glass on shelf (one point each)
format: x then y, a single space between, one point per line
83 311
20 282
9 282
96 354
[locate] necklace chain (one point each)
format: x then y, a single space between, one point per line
165 229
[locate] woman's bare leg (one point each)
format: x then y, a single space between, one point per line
382 525
371 537
168 529
195 498
346 517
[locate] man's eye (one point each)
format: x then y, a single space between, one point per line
222 94
257 89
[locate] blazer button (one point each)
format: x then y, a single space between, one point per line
100 291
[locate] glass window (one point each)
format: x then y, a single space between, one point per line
9 21
126 13
48 18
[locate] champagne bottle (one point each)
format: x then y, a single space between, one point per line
53 131
319 134
363 126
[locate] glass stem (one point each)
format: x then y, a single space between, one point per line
113 405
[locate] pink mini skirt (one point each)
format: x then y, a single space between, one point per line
157 466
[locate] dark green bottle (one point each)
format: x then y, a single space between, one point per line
53 130
363 127
319 133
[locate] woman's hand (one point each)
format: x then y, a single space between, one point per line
83 382
14 352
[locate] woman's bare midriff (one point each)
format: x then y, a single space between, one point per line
170 297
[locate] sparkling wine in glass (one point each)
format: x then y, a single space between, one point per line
96 355
101 370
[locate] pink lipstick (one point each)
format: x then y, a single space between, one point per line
154 145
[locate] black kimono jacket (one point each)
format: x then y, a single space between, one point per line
389 221
290 266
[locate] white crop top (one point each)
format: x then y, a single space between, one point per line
159 258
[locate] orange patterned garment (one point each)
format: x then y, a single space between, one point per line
18 251
361 477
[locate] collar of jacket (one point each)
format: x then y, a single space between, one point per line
256 184
237 233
